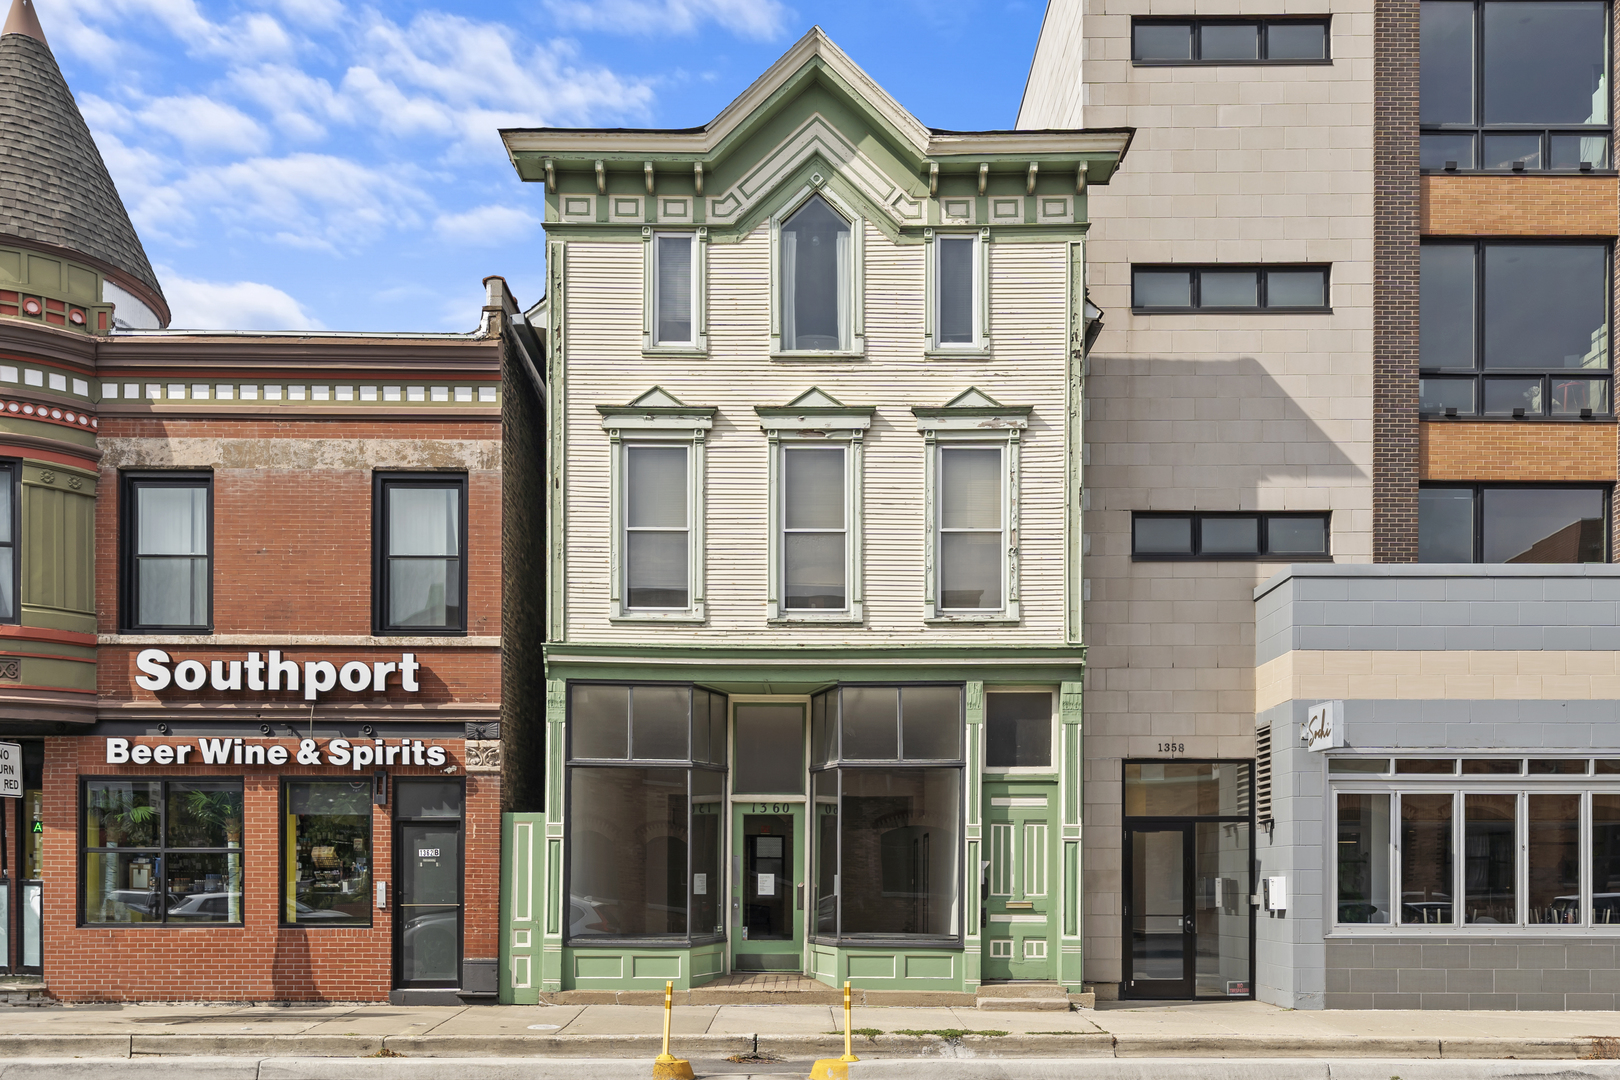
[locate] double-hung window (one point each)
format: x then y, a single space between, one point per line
421 542
818 278
886 777
971 504
657 449
816 447
1514 85
675 292
161 851
167 548
958 271
1514 329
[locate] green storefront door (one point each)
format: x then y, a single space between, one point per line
1020 937
768 838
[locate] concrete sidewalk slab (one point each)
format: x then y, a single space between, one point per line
506 1020
640 1019
750 1019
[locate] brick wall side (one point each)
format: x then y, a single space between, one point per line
260 960
1395 281
523 543
1521 206
1527 453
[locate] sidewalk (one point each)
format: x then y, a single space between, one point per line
795 1032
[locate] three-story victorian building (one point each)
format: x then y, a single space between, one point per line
813 653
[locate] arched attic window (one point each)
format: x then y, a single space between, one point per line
817 275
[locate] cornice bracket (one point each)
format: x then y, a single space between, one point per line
1029 185
984 175
601 177
933 178
647 171
697 175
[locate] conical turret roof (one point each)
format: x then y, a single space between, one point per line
54 188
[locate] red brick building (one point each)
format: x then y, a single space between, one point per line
254 607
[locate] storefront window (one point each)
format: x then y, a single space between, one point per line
1520 857
157 851
327 865
888 839
645 812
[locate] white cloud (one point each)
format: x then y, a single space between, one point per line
231 305
758 19
486 226
249 36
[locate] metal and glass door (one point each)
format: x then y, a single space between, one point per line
428 890
1161 933
1021 894
768 853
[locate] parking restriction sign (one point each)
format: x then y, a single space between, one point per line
11 778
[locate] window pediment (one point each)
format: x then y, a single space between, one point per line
814 411
973 410
657 409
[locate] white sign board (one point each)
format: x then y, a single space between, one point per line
11 782
1324 726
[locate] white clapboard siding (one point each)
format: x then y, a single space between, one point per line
604 365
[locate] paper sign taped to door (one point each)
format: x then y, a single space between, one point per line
700 884
767 885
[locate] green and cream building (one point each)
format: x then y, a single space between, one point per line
814 380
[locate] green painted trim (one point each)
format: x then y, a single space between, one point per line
55 619
13 645
522 896
900 655
640 967
48 475
893 967
67 674
14 425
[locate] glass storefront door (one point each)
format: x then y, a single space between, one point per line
768 852
428 858
1189 925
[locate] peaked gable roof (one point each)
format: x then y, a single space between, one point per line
55 190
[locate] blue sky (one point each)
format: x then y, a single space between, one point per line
333 164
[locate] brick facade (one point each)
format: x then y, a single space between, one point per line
1519 452
1562 206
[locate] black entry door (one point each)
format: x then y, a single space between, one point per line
428 894
1160 928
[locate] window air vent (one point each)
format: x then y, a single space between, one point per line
1262 775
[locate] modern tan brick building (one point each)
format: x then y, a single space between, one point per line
1350 409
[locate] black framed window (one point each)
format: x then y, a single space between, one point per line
1514 85
1484 523
326 853
1296 537
167 542
10 527
161 851
1229 288
646 812
1514 330
887 839
420 532
1230 41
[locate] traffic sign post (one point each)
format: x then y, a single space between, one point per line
11 775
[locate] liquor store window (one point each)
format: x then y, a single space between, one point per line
1508 524
1514 330
326 853
1496 842
1514 86
886 777
1296 537
166 540
646 776
421 542
1229 289
161 851
1230 41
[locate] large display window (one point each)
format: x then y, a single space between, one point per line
646 779
326 854
161 851
887 765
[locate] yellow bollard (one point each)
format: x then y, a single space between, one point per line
665 1066
837 1068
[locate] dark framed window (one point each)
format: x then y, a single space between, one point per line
1229 288
1295 537
10 529
646 812
160 851
886 833
326 853
420 541
1517 86
167 547
1230 41
1486 523
1514 330
816 268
